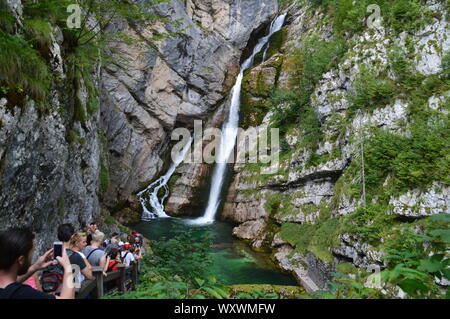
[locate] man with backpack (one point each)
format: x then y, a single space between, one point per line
51 279
127 256
16 251
94 254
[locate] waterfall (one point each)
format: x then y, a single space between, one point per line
267 44
230 129
157 204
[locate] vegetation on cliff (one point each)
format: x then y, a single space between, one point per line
408 155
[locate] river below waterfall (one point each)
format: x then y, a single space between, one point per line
233 261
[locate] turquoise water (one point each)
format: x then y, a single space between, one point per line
234 261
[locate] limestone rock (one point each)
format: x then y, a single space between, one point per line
416 203
250 229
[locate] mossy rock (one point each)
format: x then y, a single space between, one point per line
346 268
287 292
127 216
253 110
276 42
260 81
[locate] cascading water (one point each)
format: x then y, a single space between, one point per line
267 44
157 204
230 129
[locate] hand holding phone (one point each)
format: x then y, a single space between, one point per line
57 249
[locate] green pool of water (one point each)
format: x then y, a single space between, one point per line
234 262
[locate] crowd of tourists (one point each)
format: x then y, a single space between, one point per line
53 276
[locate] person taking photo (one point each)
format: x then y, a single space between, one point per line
16 251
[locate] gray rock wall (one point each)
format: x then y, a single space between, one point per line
185 78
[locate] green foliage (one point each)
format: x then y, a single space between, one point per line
267 292
446 65
104 178
7 21
371 90
22 70
318 238
293 106
395 164
257 294
415 263
348 286
190 248
370 223
179 268
411 162
350 16
417 256
74 137
38 34
276 42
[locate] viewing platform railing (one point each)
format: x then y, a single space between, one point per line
97 285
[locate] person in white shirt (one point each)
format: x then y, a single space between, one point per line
127 256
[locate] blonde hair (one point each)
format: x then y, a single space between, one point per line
76 238
98 236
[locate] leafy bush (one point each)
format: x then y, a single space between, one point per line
371 90
179 268
349 16
317 238
446 65
417 259
24 65
22 70
411 162
190 248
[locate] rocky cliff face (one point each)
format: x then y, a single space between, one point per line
49 165
307 212
185 78
56 170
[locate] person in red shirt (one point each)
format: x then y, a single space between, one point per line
115 261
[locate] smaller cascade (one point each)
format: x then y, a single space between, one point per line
152 191
268 43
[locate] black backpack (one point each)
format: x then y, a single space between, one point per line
53 276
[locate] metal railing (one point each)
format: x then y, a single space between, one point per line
96 286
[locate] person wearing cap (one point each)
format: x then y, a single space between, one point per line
127 256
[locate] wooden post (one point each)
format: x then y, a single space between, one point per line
98 274
134 275
122 278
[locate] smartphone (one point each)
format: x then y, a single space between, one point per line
57 249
